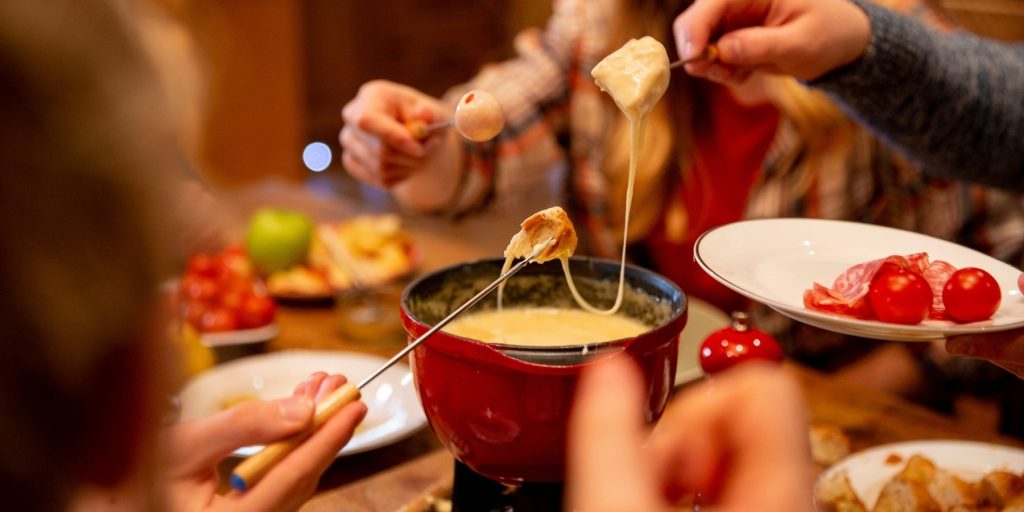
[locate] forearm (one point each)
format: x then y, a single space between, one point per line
955 103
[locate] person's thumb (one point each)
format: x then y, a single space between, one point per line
423 112
606 432
756 47
201 444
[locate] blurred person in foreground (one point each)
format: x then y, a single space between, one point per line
950 101
735 444
766 147
84 376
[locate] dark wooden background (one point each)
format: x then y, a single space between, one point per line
280 70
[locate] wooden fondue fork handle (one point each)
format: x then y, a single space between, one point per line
709 54
421 130
251 470
254 468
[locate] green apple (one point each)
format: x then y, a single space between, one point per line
278 239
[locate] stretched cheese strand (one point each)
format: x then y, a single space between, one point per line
637 123
636 142
636 76
636 133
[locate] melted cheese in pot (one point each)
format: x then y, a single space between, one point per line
544 327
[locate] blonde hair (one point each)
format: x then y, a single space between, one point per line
668 149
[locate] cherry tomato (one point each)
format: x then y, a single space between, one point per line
218 320
232 298
1020 282
259 290
256 311
971 295
196 287
900 297
235 262
204 265
733 345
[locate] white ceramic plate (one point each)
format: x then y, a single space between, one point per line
394 410
702 320
869 472
773 261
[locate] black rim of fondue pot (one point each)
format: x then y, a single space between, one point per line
650 297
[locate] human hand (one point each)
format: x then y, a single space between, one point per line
802 38
195 448
377 147
1005 348
739 440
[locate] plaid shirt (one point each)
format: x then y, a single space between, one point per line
555 113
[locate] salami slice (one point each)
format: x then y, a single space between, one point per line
848 294
826 300
856 281
937 274
918 262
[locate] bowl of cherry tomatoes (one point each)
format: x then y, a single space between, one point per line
222 298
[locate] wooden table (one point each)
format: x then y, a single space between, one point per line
390 477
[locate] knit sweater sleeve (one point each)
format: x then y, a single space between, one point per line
952 102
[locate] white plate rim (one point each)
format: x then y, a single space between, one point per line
927 331
936 450
362 441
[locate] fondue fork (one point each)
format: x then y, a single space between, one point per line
709 54
254 468
421 130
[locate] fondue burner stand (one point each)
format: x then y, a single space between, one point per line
474 493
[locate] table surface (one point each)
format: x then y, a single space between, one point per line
868 418
393 476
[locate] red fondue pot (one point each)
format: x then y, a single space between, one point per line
502 409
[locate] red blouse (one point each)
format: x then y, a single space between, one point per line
730 151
